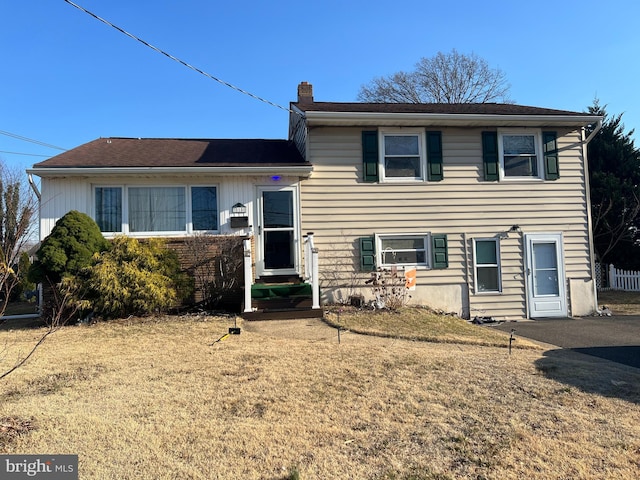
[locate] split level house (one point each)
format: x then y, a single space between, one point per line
489 203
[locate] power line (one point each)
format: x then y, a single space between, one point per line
31 140
176 59
27 154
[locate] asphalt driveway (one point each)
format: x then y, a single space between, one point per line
613 338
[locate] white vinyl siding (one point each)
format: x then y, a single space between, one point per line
340 208
60 195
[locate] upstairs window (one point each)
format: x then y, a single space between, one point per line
520 154
403 156
410 154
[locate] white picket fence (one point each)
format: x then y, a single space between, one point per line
623 280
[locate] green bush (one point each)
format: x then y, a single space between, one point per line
135 277
68 249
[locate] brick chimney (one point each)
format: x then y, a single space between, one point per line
305 92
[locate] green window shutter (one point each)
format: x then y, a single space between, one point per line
490 155
370 156
434 156
439 251
550 149
367 254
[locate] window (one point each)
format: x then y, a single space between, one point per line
487 265
403 155
109 209
157 209
403 249
204 208
520 154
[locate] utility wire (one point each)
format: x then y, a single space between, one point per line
27 154
176 59
31 140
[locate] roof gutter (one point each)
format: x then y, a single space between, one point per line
595 131
301 170
444 119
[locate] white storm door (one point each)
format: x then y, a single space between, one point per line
277 231
545 276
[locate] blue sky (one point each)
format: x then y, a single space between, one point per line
67 78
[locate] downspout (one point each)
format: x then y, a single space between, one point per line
589 219
33 186
593 134
466 308
525 274
39 197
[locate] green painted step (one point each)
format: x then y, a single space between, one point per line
267 291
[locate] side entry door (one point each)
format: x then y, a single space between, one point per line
546 283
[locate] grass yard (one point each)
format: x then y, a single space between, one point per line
415 323
21 308
158 399
620 303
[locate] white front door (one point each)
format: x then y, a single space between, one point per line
545 275
278 238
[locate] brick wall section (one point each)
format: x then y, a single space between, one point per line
216 259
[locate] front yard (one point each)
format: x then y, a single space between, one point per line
159 398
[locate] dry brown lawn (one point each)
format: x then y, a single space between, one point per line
416 323
158 399
620 303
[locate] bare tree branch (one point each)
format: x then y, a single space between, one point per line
444 78
64 308
17 209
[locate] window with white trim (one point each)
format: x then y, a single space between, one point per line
520 154
486 259
204 208
402 155
168 209
409 249
157 209
108 209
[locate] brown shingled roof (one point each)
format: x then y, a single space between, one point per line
434 108
166 152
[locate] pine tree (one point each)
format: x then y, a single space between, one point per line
614 176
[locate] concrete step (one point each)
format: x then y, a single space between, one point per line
283 314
